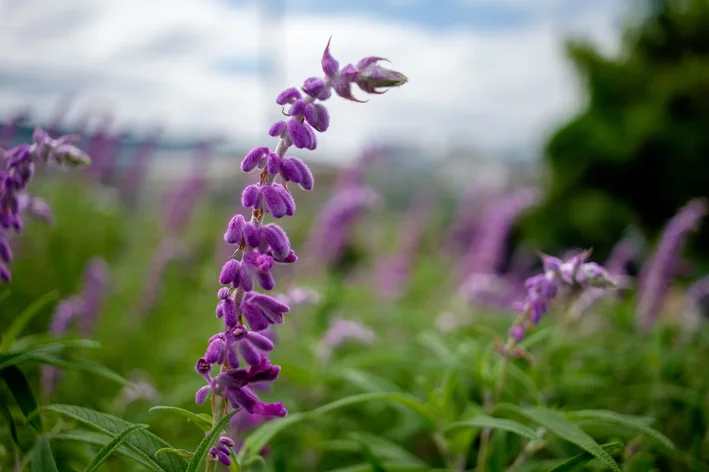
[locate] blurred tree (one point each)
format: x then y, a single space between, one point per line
640 147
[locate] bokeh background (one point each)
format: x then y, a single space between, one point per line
548 125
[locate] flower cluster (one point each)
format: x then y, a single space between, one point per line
244 311
543 288
17 167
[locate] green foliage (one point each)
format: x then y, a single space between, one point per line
638 150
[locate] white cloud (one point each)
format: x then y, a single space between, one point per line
159 61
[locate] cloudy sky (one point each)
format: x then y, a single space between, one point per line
485 74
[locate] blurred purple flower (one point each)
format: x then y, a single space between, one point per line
658 272
341 331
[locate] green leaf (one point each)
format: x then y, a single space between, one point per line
115 443
371 458
584 458
407 400
10 423
82 365
42 458
143 443
388 466
200 453
556 423
387 449
517 374
19 323
21 390
16 357
101 439
172 450
259 437
197 419
484 421
627 421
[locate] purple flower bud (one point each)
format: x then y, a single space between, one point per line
4 273
277 240
251 235
226 309
216 352
551 263
314 86
297 108
259 341
260 310
372 76
249 354
317 116
592 274
278 201
277 129
220 455
301 134
273 163
250 196
202 394
203 367
330 66
235 230
516 332
343 88
229 272
288 96
223 293
5 251
255 158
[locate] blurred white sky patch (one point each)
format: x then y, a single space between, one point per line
488 75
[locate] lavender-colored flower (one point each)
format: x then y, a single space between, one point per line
85 307
657 274
543 288
9 129
341 331
488 248
263 245
17 167
696 304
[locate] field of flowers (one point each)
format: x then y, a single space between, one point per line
173 334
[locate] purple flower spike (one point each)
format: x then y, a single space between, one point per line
259 245
289 95
517 332
5 275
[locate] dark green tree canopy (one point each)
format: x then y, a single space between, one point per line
639 150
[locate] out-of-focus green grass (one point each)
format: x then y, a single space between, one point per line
598 362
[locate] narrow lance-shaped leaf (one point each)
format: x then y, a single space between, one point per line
630 422
24 318
556 423
484 421
108 449
583 458
143 443
197 419
42 458
21 390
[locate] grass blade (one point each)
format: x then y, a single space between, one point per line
200 421
484 421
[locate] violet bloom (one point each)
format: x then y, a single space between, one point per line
83 307
488 249
657 273
244 311
543 288
341 331
696 305
622 253
333 228
394 271
17 167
